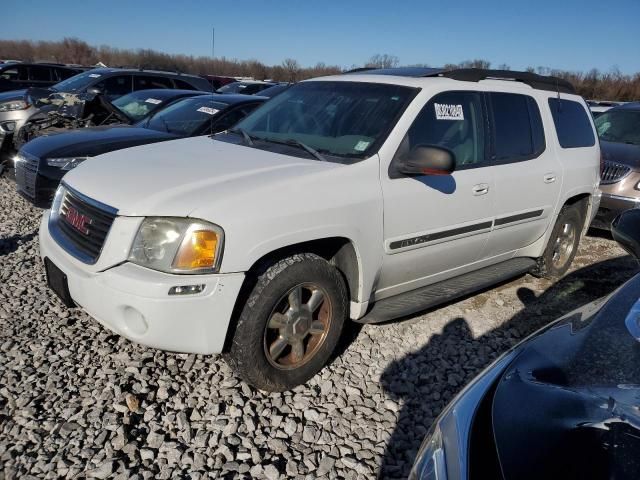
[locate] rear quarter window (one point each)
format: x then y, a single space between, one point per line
572 123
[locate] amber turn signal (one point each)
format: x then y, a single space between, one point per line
197 251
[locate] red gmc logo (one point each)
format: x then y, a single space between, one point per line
77 220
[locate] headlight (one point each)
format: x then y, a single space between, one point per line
178 245
13 105
65 163
445 450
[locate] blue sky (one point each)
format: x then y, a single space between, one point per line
566 34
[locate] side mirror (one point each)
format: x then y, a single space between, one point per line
94 91
625 230
428 160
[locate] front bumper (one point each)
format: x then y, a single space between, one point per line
610 207
133 301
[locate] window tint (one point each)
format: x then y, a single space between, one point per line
453 120
141 82
15 73
572 124
182 85
40 73
116 86
518 133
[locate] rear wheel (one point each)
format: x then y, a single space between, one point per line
290 323
563 243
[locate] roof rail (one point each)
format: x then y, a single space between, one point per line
539 82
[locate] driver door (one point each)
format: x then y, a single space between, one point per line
436 225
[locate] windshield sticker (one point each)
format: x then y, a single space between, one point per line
210 111
155 101
361 146
94 75
448 112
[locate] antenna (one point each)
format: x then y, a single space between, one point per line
213 45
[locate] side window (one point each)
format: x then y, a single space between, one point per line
230 119
9 74
182 85
63 73
518 133
116 86
452 120
39 73
572 124
143 82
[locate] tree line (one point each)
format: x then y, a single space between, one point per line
594 84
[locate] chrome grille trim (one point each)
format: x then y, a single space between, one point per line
612 172
86 248
26 171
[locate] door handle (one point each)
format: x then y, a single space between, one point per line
549 177
480 189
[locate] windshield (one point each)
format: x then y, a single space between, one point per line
186 117
77 82
620 126
235 87
138 105
338 118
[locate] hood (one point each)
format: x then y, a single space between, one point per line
90 142
572 393
176 178
12 95
621 153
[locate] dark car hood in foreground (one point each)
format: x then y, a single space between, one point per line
12 95
621 153
93 141
568 405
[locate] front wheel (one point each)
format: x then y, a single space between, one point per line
562 245
290 323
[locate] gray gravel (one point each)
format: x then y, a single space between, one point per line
78 401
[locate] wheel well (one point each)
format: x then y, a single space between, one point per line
338 251
582 200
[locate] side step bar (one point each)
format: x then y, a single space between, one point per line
431 295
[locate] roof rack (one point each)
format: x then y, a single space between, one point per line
539 82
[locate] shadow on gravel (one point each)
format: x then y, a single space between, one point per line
10 244
426 380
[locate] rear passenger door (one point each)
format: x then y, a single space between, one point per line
527 172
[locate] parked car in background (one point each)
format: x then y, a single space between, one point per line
562 404
218 81
127 109
16 76
17 106
41 163
274 90
598 107
246 87
366 196
619 132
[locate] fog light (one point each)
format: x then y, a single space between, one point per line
186 289
134 321
8 127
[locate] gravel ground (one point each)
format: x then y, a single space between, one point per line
77 401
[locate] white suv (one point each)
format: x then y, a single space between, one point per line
364 196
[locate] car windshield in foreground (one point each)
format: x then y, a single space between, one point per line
347 119
186 117
77 82
138 105
620 126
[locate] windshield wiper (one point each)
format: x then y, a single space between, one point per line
306 147
247 137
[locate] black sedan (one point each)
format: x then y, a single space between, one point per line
41 163
564 404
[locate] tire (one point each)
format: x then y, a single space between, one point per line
300 293
563 243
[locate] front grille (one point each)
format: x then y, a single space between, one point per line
26 171
613 172
84 224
